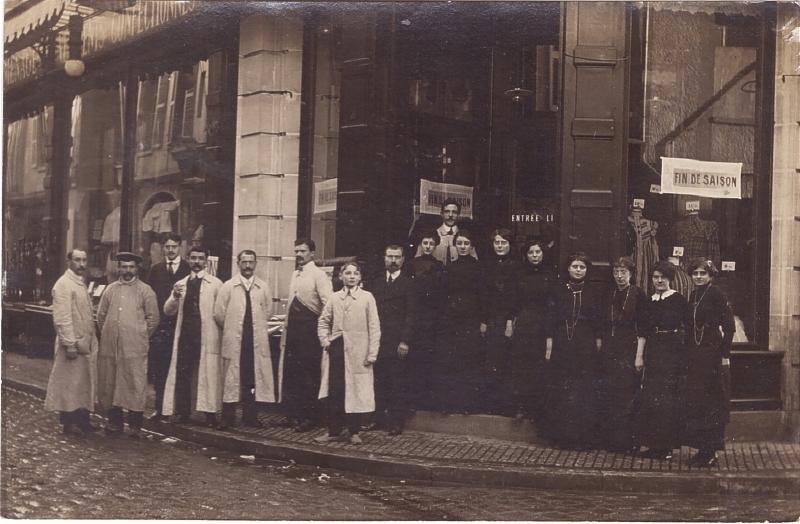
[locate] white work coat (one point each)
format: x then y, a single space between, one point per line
229 311
73 383
128 316
209 375
355 318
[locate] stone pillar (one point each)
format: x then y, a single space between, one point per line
267 149
784 319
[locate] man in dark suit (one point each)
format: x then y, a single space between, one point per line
163 276
396 298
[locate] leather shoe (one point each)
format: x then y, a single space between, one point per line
396 430
305 427
155 416
324 439
73 429
180 419
113 429
253 424
135 433
652 453
89 428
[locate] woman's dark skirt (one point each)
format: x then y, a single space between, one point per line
655 422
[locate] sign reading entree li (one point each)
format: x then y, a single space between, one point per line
684 176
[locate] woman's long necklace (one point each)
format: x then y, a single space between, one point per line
694 318
577 303
614 322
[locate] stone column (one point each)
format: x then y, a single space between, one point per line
267 149
784 319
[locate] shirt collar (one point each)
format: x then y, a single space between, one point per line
132 282
443 230
75 277
656 297
201 274
355 292
247 282
393 275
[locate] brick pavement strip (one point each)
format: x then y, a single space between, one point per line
778 461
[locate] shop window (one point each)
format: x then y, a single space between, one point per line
93 210
169 181
26 206
698 98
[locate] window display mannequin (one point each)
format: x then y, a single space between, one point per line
642 238
699 238
682 284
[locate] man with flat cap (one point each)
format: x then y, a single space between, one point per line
127 316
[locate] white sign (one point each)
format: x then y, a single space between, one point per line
638 203
325 194
432 194
693 205
728 266
684 176
677 251
655 188
212 266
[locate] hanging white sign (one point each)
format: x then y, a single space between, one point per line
432 194
684 176
325 194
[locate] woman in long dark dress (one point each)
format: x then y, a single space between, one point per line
573 344
502 274
460 362
621 356
430 281
705 406
655 422
528 372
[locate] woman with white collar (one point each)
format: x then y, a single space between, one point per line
656 410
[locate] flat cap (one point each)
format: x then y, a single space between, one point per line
125 256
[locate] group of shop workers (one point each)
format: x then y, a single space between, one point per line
589 366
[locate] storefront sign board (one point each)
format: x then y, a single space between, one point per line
432 194
684 176
325 194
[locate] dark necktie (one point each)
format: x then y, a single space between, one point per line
170 269
449 247
390 280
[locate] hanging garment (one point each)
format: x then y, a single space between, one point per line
699 238
159 219
645 249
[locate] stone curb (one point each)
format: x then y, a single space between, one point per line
769 483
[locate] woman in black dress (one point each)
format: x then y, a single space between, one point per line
621 357
502 274
655 422
430 281
572 348
705 407
460 362
527 365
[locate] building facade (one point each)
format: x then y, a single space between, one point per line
247 125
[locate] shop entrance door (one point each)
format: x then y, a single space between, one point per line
594 132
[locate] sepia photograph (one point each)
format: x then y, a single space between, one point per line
401 260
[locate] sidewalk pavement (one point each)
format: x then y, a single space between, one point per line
747 467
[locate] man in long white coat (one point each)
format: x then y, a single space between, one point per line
196 344
128 316
71 389
242 310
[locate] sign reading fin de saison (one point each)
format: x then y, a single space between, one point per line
432 194
683 176
325 194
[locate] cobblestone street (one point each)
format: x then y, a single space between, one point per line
46 474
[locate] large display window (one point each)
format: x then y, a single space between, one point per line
25 232
695 92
